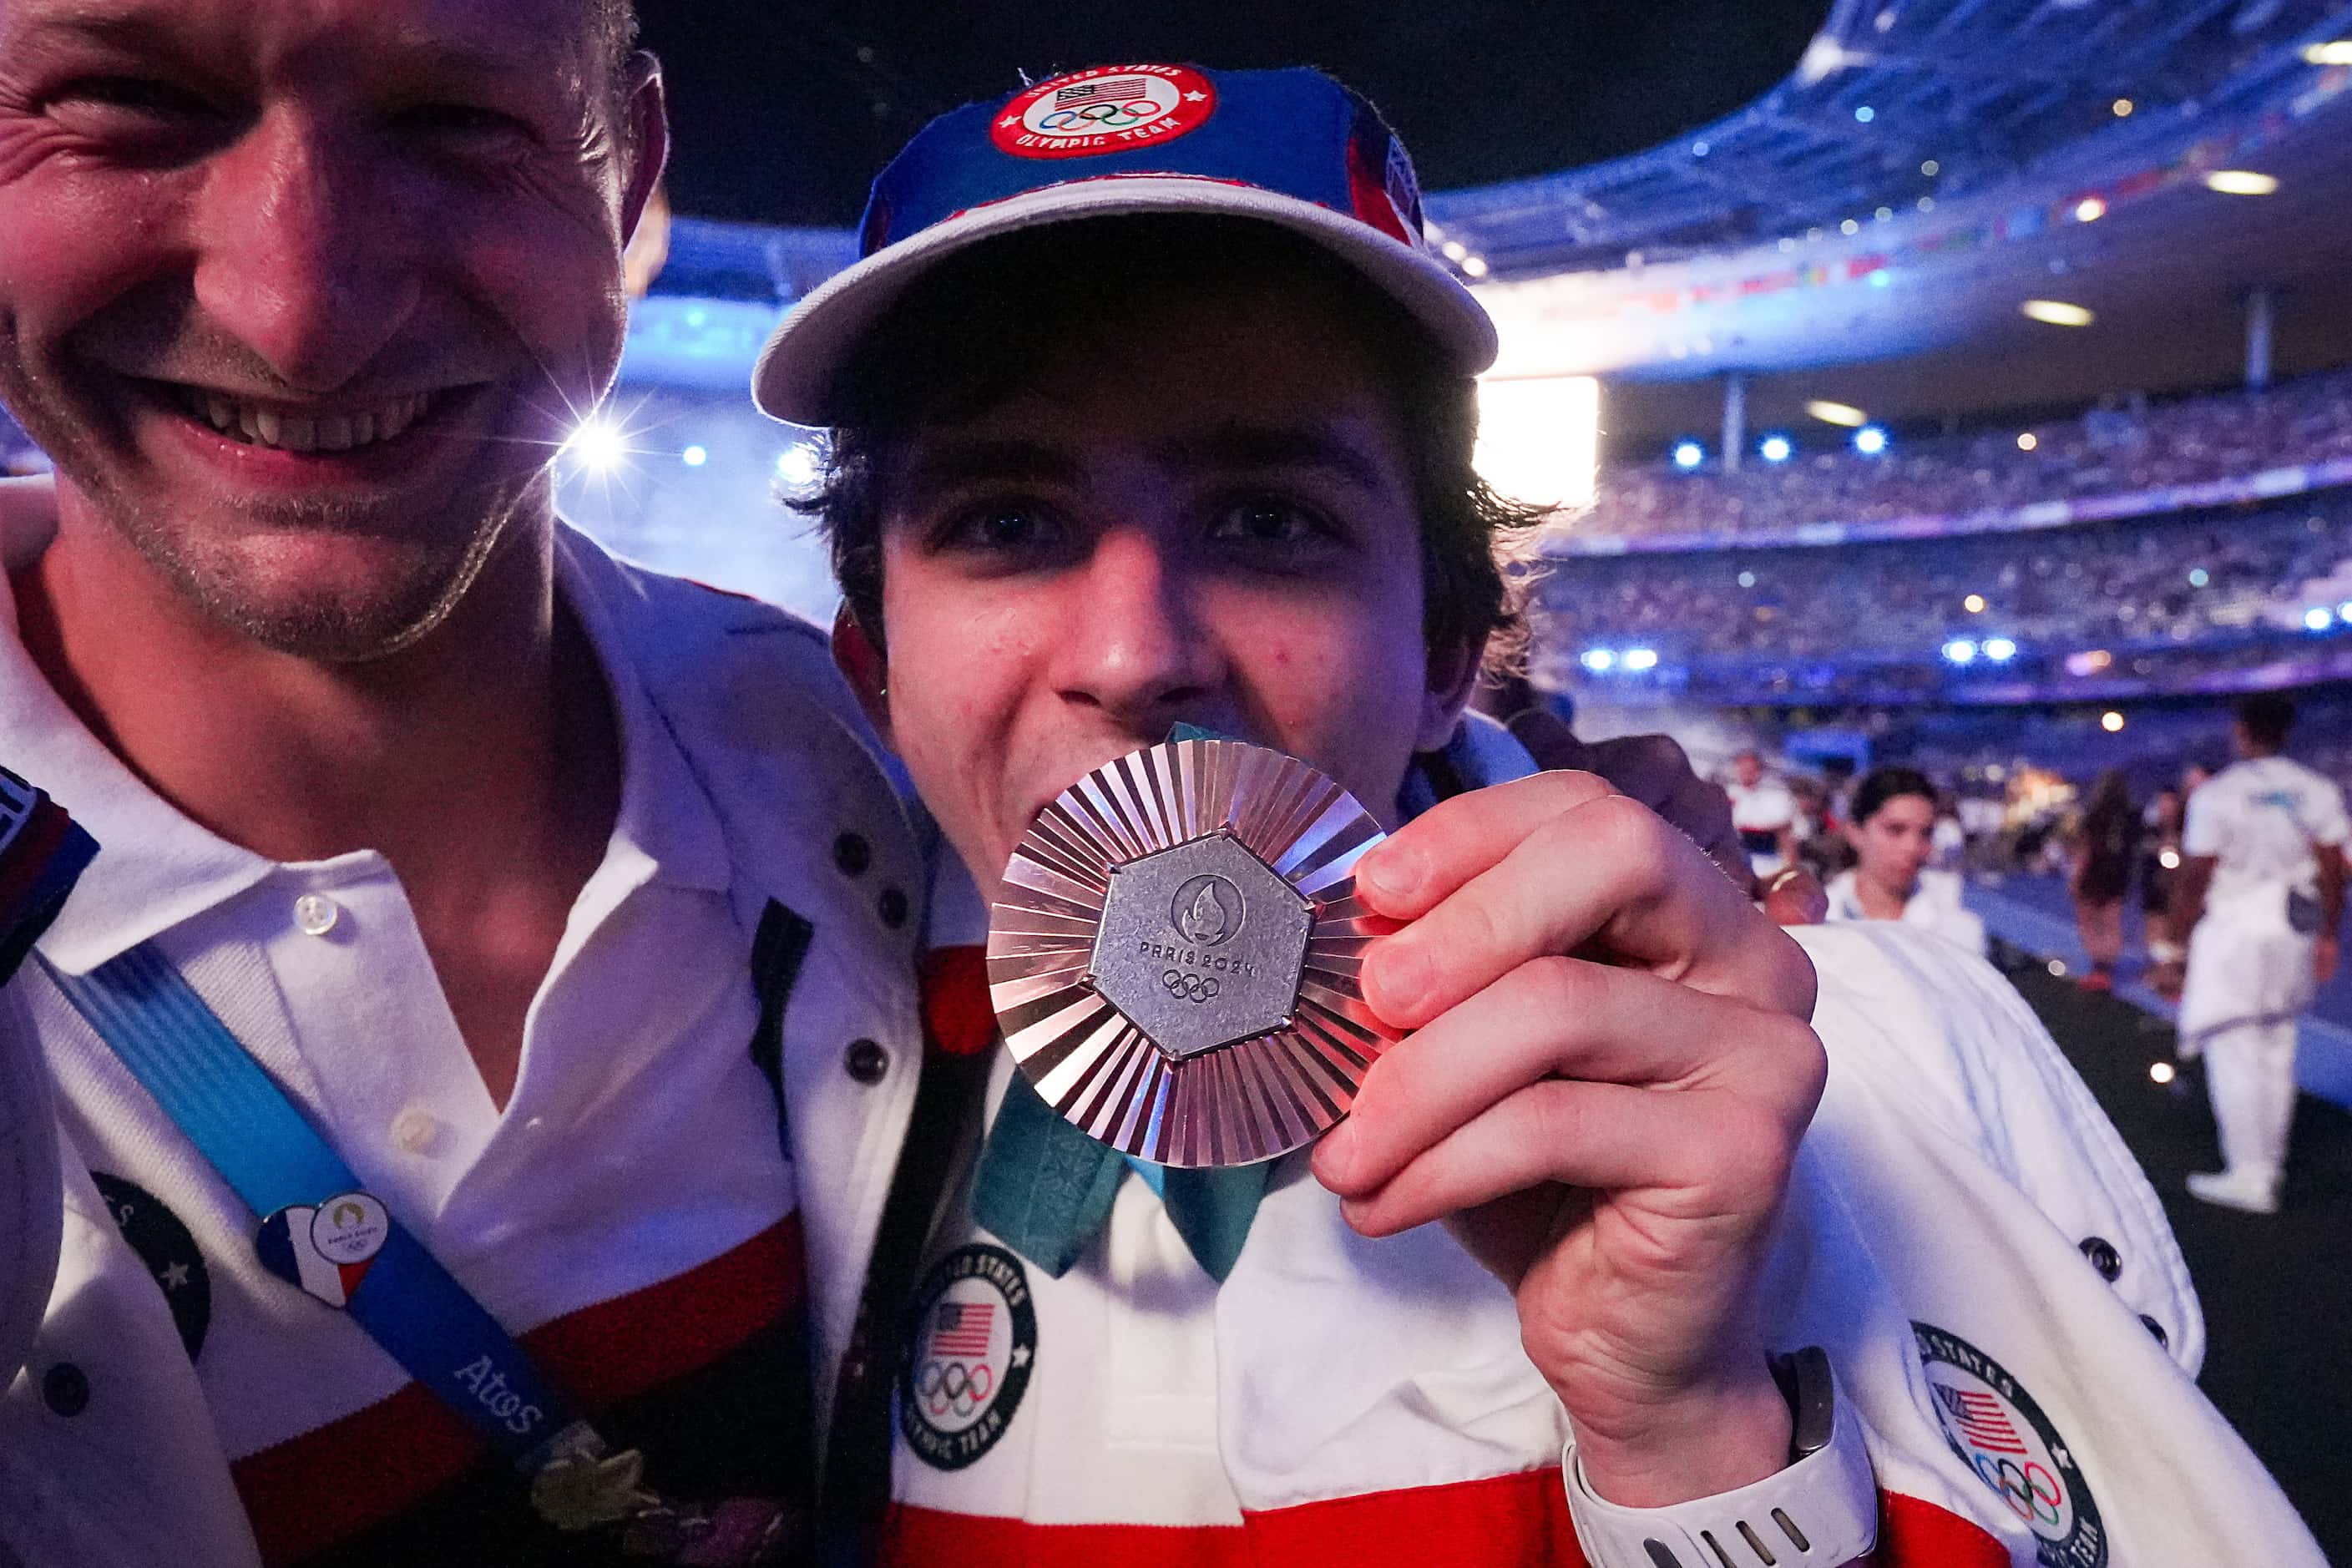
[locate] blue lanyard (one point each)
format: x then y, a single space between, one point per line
239 1120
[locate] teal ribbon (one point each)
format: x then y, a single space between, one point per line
1044 1189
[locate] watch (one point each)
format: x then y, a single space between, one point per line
1821 1510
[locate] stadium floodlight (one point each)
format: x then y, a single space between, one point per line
2240 183
1974 604
2318 618
1600 660
1688 455
2198 577
597 444
2335 52
1864 113
2159 1072
1475 265
1870 441
1960 650
1455 250
2057 313
2112 722
2000 650
2027 440
1641 658
797 465
2123 108
1775 449
2344 612
1829 413
1748 579
694 456
2090 209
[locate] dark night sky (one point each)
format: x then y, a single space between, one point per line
782 112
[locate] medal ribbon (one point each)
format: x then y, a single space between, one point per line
241 1121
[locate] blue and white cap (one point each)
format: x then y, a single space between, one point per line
1289 147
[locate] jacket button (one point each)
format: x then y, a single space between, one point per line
2157 1330
866 1061
851 854
2104 1257
892 906
66 1389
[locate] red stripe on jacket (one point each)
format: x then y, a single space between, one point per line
310 1492
1518 1519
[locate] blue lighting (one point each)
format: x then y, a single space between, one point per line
694 456
1775 449
1879 279
1865 114
1641 658
1600 660
2000 650
1688 455
2197 577
2318 618
1870 441
1960 650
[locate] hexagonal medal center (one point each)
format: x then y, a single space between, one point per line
1202 945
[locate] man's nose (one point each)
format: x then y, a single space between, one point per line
304 258
1133 643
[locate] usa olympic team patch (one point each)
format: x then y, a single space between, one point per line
1995 1426
1109 109
969 1347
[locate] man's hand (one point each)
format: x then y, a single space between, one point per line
1610 1075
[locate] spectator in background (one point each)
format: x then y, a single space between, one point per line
2261 896
2104 842
1765 814
1892 832
2159 871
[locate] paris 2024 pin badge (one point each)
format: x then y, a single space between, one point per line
1174 951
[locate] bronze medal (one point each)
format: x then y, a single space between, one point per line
1174 950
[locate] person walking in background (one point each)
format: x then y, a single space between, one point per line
2261 895
1892 835
2103 844
1765 812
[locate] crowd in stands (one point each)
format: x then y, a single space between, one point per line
2232 577
2119 447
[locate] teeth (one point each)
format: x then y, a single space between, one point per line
306 433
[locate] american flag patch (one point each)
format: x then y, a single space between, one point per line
1981 1420
961 1328
1110 89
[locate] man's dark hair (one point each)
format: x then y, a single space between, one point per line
965 335
1880 785
2267 718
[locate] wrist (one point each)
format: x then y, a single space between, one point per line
1710 1441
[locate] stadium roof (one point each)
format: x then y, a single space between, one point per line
1894 100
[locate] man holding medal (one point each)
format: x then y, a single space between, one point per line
392 1166
1167 575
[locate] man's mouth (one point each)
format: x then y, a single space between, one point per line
345 428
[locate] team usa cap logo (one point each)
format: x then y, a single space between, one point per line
1106 109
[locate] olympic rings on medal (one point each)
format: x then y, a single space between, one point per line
955 1385
1191 987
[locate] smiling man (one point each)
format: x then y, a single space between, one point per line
416 1042
1151 407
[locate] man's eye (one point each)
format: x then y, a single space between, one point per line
461 122
135 95
1268 520
1002 530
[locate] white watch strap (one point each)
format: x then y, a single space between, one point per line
1820 1511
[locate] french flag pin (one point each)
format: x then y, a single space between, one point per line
326 1249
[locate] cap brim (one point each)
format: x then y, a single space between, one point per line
797 370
